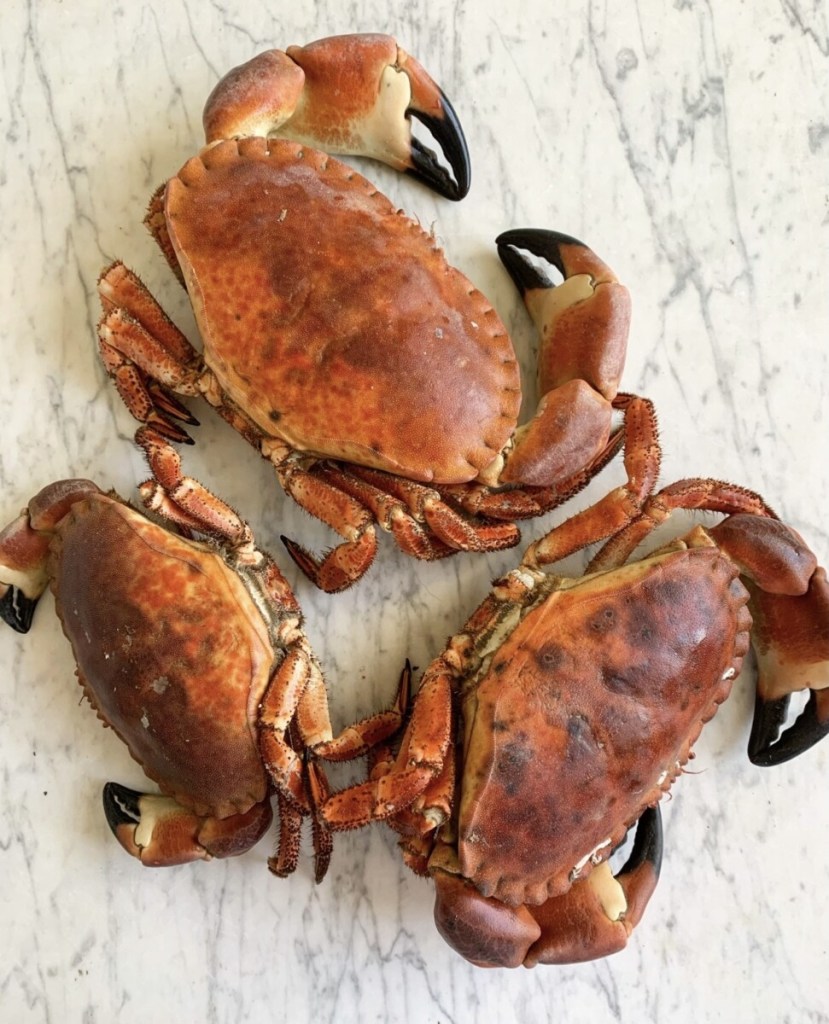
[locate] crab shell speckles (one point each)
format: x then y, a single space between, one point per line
170 649
587 713
333 321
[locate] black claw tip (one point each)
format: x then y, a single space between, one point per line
648 844
524 274
765 749
449 135
120 805
540 242
16 610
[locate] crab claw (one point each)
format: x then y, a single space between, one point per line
160 832
596 917
791 640
351 94
583 322
593 919
789 605
24 548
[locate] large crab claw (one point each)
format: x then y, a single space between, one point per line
24 547
592 919
790 608
583 322
351 94
159 832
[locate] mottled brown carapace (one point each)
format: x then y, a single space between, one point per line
586 714
171 651
276 242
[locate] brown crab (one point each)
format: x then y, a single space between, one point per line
193 652
571 705
338 341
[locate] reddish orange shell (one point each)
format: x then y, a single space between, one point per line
586 714
170 649
333 321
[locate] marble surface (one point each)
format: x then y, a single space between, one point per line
688 143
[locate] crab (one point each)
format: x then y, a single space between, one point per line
337 340
193 651
565 708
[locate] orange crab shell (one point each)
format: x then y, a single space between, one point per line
587 713
171 651
333 320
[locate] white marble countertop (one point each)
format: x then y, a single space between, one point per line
688 143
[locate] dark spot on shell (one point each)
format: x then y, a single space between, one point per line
511 764
275 415
499 667
603 621
499 725
664 591
580 735
550 656
625 681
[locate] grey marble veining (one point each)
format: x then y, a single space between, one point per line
688 143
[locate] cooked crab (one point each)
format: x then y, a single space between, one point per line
338 341
193 652
570 706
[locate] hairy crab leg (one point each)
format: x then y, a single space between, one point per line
419 763
139 344
347 516
619 507
346 94
402 506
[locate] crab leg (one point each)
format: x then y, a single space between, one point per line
347 562
160 832
139 344
593 919
345 94
421 522
617 509
284 861
420 761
